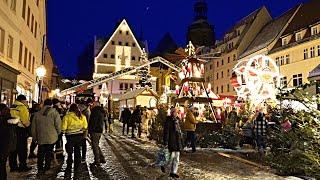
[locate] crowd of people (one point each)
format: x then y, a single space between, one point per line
46 124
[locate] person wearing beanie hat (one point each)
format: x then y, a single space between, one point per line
20 111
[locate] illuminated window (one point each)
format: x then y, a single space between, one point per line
284 41
312 52
314 30
277 61
305 54
287 59
297 80
282 60
298 37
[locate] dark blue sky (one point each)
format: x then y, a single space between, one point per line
72 24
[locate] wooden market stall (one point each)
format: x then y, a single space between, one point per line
145 97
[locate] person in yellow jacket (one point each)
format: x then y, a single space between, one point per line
190 127
74 125
20 111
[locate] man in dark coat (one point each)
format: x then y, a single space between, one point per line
173 139
125 117
95 128
59 144
136 119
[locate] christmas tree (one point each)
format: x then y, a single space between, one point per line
143 73
192 89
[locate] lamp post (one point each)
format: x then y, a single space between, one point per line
41 72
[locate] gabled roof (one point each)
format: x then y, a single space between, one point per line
308 14
315 72
137 92
123 22
269 32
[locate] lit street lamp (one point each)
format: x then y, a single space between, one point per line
41 72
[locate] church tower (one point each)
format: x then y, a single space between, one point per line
200 32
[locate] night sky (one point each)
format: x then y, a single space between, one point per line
72 24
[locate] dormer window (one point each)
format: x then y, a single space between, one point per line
314 30
298 37
284 41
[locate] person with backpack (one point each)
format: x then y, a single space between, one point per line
45 129
8 134
74 125
20 111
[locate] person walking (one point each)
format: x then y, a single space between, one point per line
136 120
125 117
20 110
95 129
84 107
8 134
45 129
172 137
59 144
190 127
35 108
74 124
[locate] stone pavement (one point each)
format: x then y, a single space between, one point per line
129 158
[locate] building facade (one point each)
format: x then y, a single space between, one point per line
235 41
22 32
121 50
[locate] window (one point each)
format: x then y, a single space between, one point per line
29 64
120 32
228 88
133 44
33 60
221 74
287 59
35 29
121 86
127 44
297 80
282 60
112 56
217 90
2 33
105 55
217 63
284 82
133 58
127 32
234 57
228 73
24 9
211 65
277 61
10 47
314 30
13 5
298 37
25 57
305 54
222 62
318 50
284 41
120 43
217 75
28 16
112 42
32 23
312 52
20 52
228 59
37 2
222 89
131 85
126 85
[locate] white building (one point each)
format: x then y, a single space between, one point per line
120 51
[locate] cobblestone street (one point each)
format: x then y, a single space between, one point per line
129 158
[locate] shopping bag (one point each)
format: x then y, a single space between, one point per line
162 157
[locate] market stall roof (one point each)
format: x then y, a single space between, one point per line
315 72
137 92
